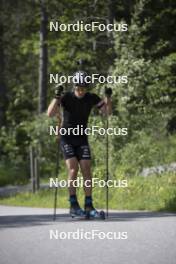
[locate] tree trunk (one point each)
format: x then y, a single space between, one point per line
3 92
43 60
111 11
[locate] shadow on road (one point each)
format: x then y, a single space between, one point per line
14 221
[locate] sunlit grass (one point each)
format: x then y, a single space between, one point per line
152 193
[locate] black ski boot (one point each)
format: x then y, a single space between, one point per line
75 209
90 211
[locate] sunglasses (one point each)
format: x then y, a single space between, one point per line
80 89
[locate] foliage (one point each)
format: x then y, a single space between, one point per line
152 193
145 105
13 175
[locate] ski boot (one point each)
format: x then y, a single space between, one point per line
92 213
76 211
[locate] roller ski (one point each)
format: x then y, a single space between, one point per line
92 213
76 211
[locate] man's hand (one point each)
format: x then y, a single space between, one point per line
58 91
106 108
53 108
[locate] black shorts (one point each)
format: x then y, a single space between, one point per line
81 152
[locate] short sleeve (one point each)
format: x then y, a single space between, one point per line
64 99
95 99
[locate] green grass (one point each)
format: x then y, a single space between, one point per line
12 175
154 193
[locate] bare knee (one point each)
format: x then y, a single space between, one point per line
72 166
73 171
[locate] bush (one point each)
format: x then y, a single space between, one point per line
145 151
9 174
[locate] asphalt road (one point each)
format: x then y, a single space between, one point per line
29 236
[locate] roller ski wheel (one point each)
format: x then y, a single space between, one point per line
102 215
94 214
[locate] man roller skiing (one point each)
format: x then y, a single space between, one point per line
77 106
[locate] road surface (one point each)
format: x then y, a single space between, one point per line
29 236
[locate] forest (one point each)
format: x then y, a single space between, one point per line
145 104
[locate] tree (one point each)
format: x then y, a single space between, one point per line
3 89
43 60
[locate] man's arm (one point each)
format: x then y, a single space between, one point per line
53 108
105 106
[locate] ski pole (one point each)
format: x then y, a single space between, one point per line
108 93
58 92
107 167
55 194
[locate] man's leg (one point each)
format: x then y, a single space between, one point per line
85 166
72 167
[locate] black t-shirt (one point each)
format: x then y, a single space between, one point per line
76 110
